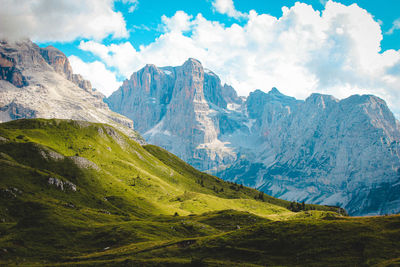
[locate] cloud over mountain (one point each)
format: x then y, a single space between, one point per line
336 51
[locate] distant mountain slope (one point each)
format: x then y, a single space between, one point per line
321 150
78 193
39 83
327 151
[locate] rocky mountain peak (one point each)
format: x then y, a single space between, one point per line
60 63
273 97
230 95
193 63
274 91
257 93
320 100
39 83
364 99
150 68
318 97
170 98
16 56
57 60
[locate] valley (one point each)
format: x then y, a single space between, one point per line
80 193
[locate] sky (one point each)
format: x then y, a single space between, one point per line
339 47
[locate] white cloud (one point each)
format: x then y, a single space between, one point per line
101 78
227 7
122 56
180 22
61 20
336 51
133 4
396 26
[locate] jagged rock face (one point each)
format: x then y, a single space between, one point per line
57 60
82 83
324 151
39 83
321 150
174 107
230 95
144 97
9 72
60 63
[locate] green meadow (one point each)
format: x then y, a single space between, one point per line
79 193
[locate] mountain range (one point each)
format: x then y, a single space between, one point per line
74 191
319 150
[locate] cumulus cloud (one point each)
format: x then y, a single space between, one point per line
122 56
336 51
61 20
180 22
396 26
101 78
227 7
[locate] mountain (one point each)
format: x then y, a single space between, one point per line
325 151
176 108
39 83
75 193
319 150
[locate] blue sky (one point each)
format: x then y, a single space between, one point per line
144 22
336 47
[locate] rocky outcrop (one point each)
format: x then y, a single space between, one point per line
10 73
49 154
15 111
82 83
62 185
321 150
57 60
39 83
60 63
230 95
12 192
84 163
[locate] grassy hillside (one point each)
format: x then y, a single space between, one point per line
83 193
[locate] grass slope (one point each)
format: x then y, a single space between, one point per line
124 204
